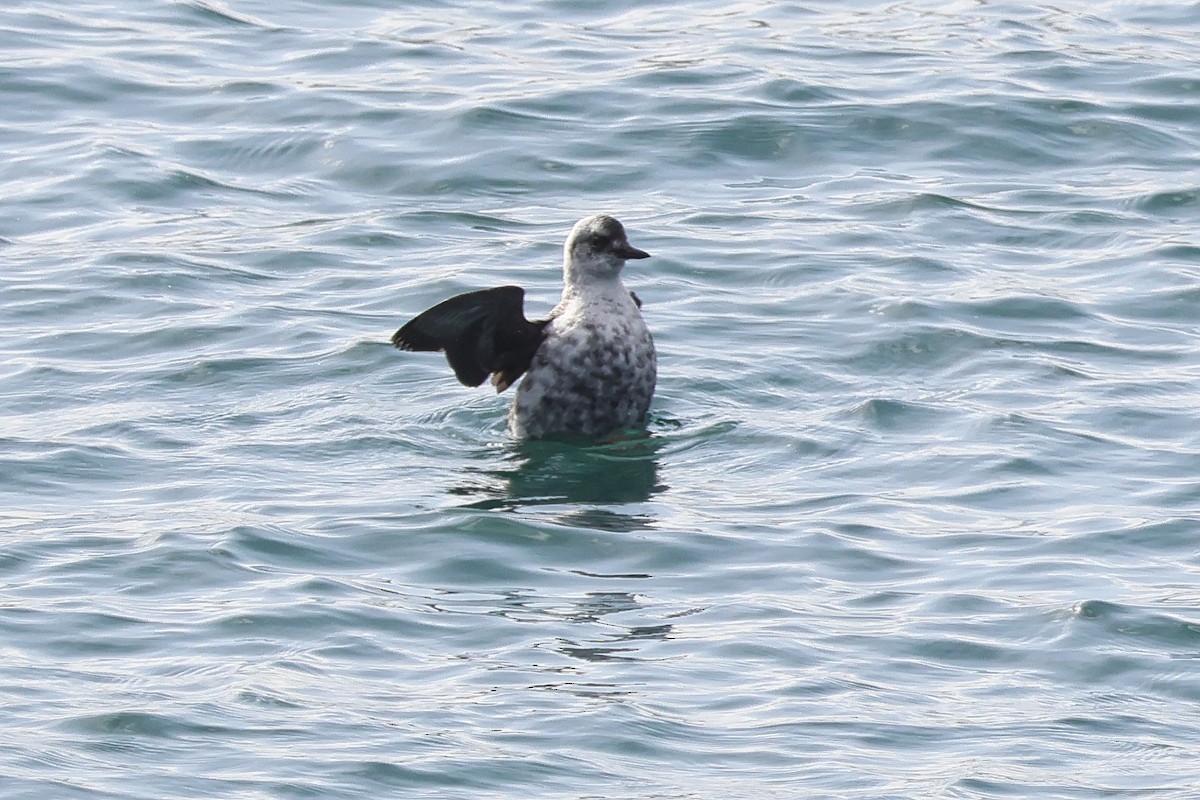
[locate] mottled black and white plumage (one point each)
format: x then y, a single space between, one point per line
589 367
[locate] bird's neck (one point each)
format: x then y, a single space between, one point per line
593 287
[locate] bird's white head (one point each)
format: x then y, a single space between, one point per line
597 249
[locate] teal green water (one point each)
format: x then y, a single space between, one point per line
920 511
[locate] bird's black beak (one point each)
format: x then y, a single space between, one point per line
627 251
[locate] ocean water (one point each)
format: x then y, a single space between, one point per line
919 512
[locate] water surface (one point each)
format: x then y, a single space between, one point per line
917 515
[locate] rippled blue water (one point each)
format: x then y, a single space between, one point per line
919 514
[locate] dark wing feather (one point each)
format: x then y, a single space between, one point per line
482 333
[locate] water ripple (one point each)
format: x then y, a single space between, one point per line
916 511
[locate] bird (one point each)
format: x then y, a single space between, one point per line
589 367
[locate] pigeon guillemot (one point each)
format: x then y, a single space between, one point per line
589 366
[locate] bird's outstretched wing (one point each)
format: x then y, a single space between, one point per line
482 333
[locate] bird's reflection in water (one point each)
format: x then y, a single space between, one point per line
602 633
566 473
581 485
622 642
